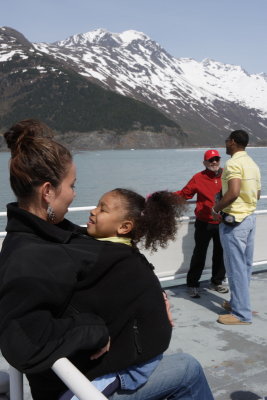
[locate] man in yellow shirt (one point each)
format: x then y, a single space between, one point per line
241 187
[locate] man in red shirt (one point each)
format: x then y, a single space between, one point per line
207 186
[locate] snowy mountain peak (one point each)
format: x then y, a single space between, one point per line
92 37
131 35
133 64
209 63
13 43
126 37
101 37
96 35
12 36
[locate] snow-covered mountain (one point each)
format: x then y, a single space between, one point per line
85 115
207 99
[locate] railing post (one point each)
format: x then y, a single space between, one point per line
76 381
16 384
4 385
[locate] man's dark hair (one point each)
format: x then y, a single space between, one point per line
240 137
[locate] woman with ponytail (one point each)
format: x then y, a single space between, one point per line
64 294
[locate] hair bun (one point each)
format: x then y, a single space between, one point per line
26 131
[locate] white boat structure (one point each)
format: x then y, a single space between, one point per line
234 357
171 264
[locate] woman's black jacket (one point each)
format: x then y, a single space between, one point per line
62 294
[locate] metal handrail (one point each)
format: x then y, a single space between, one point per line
15 384
88 208
76 381
68 373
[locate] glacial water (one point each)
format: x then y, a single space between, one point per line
142 170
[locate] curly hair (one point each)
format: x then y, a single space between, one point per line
155 218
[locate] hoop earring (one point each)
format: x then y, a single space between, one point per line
51 216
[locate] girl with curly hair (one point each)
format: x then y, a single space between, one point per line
127 217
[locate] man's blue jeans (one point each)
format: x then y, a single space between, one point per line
238 245
177 377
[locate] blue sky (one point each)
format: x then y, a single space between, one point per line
230 31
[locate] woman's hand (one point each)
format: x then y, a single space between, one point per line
168 308
102 351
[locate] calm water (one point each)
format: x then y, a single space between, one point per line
142 170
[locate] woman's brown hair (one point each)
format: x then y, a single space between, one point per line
35 157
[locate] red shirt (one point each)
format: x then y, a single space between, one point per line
207 186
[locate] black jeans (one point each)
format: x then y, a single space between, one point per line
204 232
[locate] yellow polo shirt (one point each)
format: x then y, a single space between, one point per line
242 167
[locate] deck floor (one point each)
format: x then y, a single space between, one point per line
234 357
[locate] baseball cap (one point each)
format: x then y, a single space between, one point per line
210 154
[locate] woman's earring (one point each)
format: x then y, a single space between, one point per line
51 216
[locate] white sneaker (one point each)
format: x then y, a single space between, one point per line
219 288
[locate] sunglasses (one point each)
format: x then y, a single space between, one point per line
217 159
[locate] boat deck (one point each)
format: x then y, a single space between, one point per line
234 357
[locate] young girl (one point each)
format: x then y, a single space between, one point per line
126 218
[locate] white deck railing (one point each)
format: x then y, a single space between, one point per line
71 209
88 208
76 381
68 373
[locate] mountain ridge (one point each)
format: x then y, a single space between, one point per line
207 98
36 84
